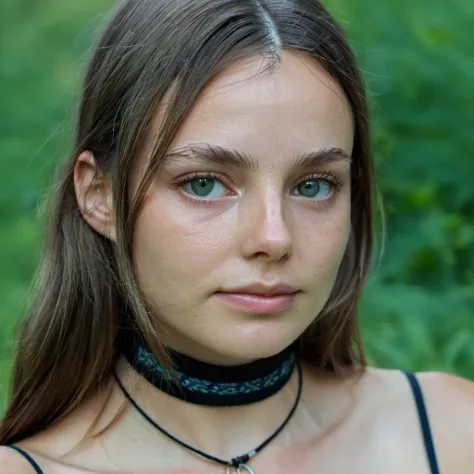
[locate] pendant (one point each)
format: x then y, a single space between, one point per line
242 469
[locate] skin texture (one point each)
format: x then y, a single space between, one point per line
256 228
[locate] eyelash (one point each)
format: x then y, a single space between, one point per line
332 179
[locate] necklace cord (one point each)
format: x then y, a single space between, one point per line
234 462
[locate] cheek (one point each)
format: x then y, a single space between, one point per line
323 244
326 230
171 246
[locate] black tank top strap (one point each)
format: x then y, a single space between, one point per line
424 422
28 458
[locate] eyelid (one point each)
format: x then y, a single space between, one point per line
205 174
332 178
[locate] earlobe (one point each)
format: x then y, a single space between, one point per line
94 195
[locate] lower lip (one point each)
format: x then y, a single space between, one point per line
258 304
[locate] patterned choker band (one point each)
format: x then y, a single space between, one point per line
206 384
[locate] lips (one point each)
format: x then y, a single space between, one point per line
264 290
259 298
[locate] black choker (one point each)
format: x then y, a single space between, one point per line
206 384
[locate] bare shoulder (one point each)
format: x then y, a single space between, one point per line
450 405
448 394
73 444
12 462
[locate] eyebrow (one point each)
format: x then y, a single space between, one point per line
226 156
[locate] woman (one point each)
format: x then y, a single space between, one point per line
209 241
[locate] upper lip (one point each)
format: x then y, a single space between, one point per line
264 290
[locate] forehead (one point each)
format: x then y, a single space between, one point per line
271 115
296 106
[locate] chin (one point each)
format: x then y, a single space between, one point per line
245 348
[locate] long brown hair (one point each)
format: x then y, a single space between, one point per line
151 50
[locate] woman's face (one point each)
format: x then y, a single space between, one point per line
253 197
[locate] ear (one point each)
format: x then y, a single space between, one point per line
94 195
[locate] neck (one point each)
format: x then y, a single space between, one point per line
224 431
229 399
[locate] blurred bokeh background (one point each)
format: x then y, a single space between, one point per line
417 57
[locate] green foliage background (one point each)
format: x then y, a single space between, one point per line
417 59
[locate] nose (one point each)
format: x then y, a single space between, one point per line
266 234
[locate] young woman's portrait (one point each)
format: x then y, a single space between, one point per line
206 248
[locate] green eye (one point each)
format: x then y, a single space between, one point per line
211 188
314 189
204 188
